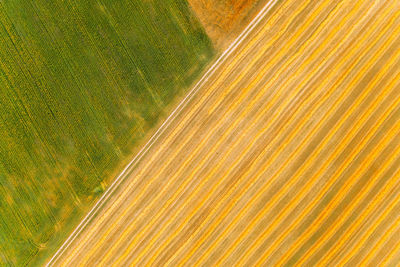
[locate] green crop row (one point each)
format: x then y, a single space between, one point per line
81 82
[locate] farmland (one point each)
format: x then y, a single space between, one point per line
289 154
81 82
223 20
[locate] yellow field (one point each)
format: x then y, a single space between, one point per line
288 156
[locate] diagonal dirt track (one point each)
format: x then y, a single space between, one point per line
289 154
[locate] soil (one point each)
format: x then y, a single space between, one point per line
223 20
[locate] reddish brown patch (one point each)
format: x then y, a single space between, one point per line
223 20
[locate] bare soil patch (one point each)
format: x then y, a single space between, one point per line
223 20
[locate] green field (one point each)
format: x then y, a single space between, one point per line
81 84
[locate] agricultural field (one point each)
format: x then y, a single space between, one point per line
288 155
223 20
82 82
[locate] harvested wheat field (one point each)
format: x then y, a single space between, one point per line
288 154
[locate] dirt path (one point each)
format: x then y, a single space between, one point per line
289 154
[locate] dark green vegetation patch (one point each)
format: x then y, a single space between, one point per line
81 82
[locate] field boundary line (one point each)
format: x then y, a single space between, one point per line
125 172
